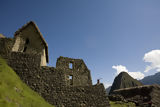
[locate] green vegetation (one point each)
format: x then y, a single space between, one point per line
121 104
14 93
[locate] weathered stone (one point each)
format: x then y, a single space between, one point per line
141 95
116 97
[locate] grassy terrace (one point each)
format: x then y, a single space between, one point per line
14 93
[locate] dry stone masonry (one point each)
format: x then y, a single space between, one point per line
142 96
69 84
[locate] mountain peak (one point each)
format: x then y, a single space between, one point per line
124 80
123 73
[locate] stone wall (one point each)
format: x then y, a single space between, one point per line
141 95
82 96
76 72
6 45
52 85
22 60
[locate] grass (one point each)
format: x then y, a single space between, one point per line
14 93
121 104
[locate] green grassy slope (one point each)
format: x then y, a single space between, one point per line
121 104
14 93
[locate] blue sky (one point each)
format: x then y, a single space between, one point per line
104 33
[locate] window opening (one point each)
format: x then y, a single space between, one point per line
25 48
70 65
70 79
27 41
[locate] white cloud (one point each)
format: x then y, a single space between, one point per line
152 57
120 68
135 75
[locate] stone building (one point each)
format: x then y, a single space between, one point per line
29 39
69 84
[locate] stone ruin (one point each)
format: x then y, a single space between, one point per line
142 96
69 84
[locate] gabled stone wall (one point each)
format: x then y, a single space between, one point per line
80 74
29 42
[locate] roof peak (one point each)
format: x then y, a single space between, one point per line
24 26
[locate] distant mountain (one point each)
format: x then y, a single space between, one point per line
153 79
124 80
108 89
